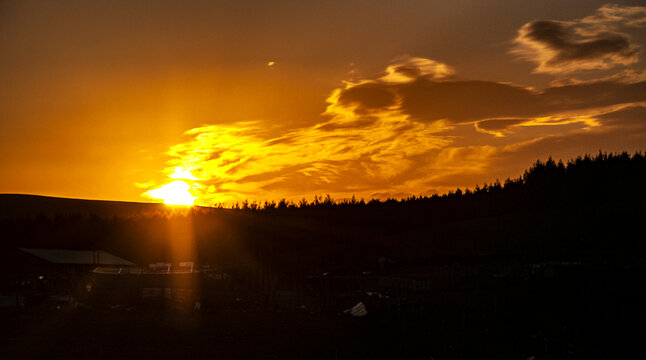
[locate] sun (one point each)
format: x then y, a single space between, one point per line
175 193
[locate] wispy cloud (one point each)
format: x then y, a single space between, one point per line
365 143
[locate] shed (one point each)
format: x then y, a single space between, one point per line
78 257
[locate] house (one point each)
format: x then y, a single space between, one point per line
161 282
41 273
72 261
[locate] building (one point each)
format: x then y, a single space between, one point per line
42 273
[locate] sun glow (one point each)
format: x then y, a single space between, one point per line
175 193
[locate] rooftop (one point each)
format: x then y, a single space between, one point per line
79 257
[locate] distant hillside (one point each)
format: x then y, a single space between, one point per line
18 205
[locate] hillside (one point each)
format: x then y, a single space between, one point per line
587 208
552 263
13 206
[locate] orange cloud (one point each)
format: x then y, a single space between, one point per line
413 130
352 152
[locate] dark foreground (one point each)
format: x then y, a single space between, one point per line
583 315
551 265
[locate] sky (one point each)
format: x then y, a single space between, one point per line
264 100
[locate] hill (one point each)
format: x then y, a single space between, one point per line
587 208
13 206
548 265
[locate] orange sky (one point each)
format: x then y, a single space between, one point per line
265 100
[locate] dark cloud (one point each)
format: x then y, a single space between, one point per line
427 100
594 42
466 101
368 96
557 37
594 94
627 76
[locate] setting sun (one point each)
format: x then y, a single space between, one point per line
175 193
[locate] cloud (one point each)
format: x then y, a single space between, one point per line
419 132
594 94
622 130
407 68
616 15
367 97
597 42
628 117
626 76
464 102
497 127
349 153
